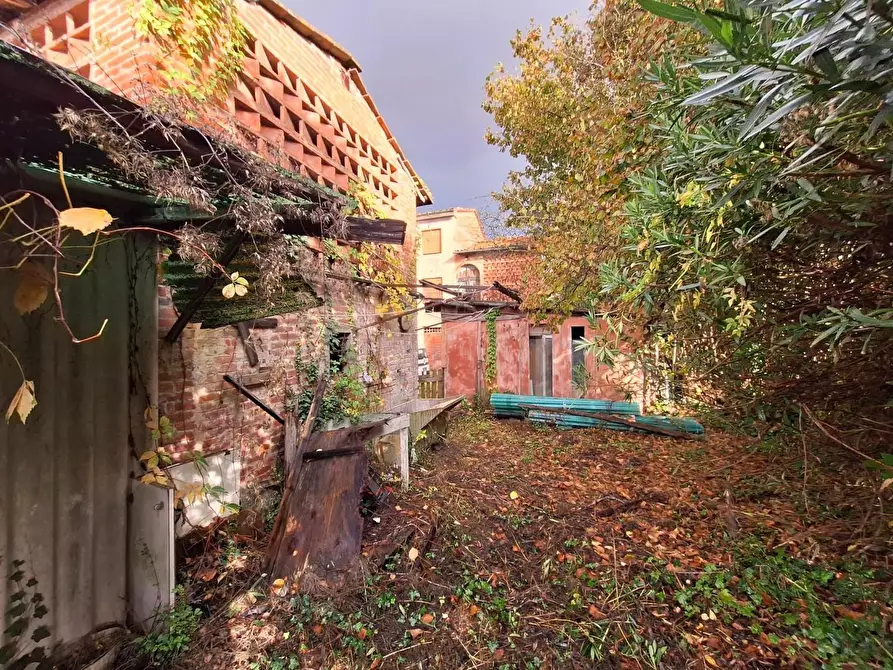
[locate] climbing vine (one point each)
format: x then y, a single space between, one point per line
202 43
490 370
379 262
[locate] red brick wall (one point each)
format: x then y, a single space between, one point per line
325 129
434 347
210 415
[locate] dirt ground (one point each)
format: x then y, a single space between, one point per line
529 547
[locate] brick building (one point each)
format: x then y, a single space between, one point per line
531 358
300 102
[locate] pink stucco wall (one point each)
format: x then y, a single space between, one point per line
513 356
464 346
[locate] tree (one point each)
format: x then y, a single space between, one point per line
574 113
759 241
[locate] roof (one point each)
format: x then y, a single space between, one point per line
498 244
31 138
329 46
438 213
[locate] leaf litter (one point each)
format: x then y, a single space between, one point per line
529 547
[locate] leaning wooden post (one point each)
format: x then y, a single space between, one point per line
291 476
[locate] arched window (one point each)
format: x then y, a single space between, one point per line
469 275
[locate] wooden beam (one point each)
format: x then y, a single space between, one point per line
253 398
229 253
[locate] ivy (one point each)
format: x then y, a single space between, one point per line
490 371
202 43
379 262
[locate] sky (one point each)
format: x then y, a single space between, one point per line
425 62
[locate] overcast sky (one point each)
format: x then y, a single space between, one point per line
425 62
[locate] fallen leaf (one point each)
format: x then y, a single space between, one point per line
710 660
413 554
279 583
22 402
207 574
474 609
85 220
428 619
33 289
415 632
375 664
596 613
513 495
498 654
362 634
317 629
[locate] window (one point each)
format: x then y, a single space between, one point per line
469 275
433 293
339 343
431 241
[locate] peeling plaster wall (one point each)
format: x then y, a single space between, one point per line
465 352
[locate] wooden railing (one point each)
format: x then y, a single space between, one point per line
431 384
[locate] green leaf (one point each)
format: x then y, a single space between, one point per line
672 12
40 633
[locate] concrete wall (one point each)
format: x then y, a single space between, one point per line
459 229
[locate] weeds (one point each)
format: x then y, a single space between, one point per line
171 637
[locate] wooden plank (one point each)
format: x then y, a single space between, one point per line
250 350
291 441
320 547
292 476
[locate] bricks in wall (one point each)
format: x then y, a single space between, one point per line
206 412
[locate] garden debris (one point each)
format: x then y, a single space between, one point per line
615 553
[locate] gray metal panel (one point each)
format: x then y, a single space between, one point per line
64 476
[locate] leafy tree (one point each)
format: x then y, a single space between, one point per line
733 207
759 242
573 112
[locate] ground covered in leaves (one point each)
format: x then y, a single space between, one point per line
529 547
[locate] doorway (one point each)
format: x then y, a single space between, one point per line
541 364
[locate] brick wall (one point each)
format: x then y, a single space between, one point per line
509 268
297 106
208 413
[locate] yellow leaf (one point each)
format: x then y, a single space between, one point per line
22 402
85 220
279 583
240 290
710 660
34 286
147 455
229 291
148 478
413 554
513 495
